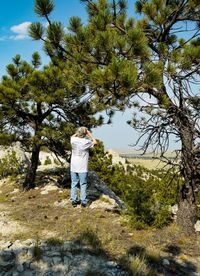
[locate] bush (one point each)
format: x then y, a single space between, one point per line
47 161
9 165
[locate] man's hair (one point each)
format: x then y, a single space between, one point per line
81 132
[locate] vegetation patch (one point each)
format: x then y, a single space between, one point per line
54 241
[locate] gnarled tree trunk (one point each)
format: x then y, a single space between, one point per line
189 159
31 174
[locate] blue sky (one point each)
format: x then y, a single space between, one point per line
15 17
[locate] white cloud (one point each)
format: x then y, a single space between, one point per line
20 31
2 38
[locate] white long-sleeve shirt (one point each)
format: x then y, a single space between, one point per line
80 154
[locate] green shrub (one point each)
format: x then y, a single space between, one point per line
54 241
9 165
37 252
47 161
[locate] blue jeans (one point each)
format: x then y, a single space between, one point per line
82 179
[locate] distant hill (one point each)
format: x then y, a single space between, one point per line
126 153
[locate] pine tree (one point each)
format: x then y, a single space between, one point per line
42 107
155 58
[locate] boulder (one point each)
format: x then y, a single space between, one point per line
97 188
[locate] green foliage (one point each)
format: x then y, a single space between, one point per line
153 77
36 30
100 162
9 165
55 32
47 161
54 241
147 194
37 252
44 7
36 60
6 139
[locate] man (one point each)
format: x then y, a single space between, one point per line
81 142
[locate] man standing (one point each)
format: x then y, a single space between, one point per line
81 142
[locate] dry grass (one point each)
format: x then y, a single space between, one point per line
150 164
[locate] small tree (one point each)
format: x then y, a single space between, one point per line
42 107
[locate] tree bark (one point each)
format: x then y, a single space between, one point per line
186 214
29 181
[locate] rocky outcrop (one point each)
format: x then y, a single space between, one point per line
97 188
51 258
24 157
116 158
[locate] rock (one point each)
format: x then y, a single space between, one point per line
6 266
5 244
48 188
53 254
15 273
165 262
197 226
20 268
29 242
97 188
7 256
51 157
111 264
56 260
30 253
173 209
105 202
24 157
116 158
17 246
14 191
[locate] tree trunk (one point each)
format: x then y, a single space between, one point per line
186 214
31 174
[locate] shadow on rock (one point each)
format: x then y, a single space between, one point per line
84 256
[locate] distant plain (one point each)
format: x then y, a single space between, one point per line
147 160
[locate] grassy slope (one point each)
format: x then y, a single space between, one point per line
40 219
